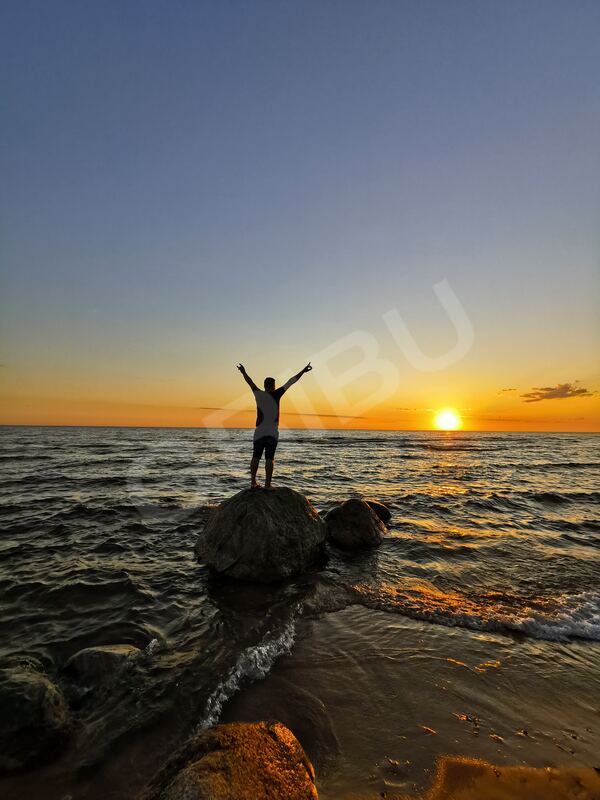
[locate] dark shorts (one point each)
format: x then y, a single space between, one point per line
266 443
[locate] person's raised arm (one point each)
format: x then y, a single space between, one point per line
247 377
297 377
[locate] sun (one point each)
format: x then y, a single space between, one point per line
447 420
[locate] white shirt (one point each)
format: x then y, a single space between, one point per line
267 411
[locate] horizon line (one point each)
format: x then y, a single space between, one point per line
251 427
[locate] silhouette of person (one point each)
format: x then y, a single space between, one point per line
266 434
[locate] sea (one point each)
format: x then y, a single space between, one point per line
473 630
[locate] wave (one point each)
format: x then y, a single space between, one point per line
85 512
66 481
102 462
111 545
581 540
253 663
584 526
102 446
84 590
557 498
4 457
444 503
559 619
347 440
548 497
495 502
451 447
546 465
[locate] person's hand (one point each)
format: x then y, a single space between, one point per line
307 368
241 368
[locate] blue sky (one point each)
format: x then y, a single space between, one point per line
186 185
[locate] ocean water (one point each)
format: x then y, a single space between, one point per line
474 629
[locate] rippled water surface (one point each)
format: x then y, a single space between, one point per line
493 535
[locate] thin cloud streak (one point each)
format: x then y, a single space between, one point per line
287 413
485 418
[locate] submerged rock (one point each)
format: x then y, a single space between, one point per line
102 662
262 535
236 762
354 524
34 717
295 707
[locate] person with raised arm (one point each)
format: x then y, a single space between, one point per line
266 434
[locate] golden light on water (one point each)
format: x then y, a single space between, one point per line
447 420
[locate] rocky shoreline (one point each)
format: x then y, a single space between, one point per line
262 537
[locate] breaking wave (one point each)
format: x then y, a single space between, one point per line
559 619
253 663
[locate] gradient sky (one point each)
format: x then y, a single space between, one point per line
187 185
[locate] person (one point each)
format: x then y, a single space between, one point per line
266 434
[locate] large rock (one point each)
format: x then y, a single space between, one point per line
354 525
262 535
101 663
239 761
34 717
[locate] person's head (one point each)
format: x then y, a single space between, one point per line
269 384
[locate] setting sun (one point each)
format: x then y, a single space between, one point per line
447 420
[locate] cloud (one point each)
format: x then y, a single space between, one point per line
491 418
502 391
559 392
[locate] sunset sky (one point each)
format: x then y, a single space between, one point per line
189 185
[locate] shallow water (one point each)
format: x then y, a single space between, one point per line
493 556
397 693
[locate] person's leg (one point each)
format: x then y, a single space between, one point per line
253 470
268 472
270 447
259 446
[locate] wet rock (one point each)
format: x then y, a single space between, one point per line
354 524
34 717
380 509
262 535
95 664
24 663
326 596
236 762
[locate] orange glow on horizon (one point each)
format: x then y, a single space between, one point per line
123 415
149 406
